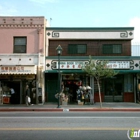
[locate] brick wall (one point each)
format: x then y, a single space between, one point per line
94 47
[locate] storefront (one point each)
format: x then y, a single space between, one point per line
120 88
17 77
111 44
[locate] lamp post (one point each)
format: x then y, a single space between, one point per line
59 51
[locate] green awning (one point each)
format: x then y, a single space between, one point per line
127 71
80 71
64 71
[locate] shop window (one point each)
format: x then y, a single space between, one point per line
20 44
112 48
77 49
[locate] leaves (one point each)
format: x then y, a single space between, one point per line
98 69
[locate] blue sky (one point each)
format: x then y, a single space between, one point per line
79 13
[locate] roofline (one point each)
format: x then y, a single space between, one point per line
89 28
21 16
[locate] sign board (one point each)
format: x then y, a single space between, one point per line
17 70
119 64
71 64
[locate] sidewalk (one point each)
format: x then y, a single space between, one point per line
119 106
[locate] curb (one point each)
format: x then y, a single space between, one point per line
105 109
68 110
31 109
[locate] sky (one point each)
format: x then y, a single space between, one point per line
79 13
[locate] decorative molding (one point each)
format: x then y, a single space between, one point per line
124 34
48 33
55 34
48 65
9 26
130 33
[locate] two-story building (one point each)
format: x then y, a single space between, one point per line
22 51
111 44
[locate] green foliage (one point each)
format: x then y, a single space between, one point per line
98 69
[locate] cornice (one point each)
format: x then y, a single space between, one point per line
21 26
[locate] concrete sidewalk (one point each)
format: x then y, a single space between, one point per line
119 106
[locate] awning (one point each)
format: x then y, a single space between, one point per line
127 71
81 71
18 70
64 71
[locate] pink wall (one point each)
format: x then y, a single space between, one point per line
22 26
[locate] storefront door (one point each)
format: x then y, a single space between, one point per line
51 90
114 89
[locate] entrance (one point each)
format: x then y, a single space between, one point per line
71 87
6 85
114 89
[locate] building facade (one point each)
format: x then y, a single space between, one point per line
111 44
22 52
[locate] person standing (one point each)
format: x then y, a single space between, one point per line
12 95
90 95
1 95
27 94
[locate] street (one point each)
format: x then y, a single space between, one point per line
68 125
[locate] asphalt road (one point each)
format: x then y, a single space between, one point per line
68 125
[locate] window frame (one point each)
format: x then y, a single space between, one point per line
112 47
76 49
21 45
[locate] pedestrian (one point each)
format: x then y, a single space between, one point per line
62 87
12 95
1 95
27 94
90 95
78 95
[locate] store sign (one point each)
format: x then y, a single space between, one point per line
119 64
71 64
17 70
79 64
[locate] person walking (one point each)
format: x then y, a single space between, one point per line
27 94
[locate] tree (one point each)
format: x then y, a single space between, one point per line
98 70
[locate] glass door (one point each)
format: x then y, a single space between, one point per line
114 89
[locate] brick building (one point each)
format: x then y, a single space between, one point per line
111 44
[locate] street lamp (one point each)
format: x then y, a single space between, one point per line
59 51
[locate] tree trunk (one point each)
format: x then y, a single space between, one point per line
99 93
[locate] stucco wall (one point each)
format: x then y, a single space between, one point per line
31 27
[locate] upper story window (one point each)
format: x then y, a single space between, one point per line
112 48
20 44
77 49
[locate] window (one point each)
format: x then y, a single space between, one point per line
77 49
112 48
20 44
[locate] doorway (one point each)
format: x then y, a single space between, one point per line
71 86
113 89
6 85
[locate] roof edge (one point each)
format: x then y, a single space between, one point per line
89 28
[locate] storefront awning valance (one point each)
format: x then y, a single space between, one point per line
18 70
64 71
81 71
127 71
